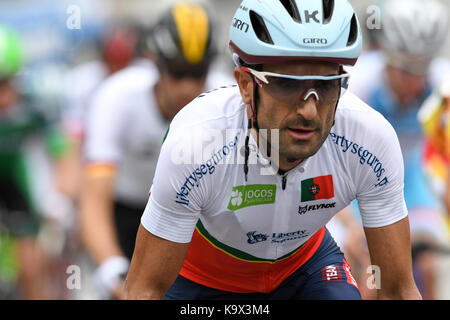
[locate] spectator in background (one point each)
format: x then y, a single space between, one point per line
395 80
434 115
128 117
22 213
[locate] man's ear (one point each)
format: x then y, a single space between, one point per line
245 83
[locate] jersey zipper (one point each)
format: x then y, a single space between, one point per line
283 181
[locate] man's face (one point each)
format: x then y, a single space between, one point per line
179 85
303 125
405 85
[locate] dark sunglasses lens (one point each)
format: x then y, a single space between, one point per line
290 91
181 74
181 70
328 89
284 89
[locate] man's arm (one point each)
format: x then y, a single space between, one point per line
155 265
96 217
98 232
390 250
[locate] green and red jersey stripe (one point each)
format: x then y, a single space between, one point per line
214 264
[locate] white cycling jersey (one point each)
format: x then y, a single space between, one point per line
125 128
200 185
80 84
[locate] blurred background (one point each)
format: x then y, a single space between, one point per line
57 37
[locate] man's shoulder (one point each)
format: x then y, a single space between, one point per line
128 81
218 77
216 108
91 71
356 119
207 124
354 110
364 144
439 69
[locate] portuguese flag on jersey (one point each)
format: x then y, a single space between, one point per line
317 188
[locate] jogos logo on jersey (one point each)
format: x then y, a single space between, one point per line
317 188
251 195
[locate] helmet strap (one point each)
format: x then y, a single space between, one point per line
254 117
252 123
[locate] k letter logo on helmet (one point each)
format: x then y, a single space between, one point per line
313 16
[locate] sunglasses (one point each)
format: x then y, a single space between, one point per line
181 70
291 89
182 74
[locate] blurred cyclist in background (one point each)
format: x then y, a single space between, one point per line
395 81
23 127
117 48
127 120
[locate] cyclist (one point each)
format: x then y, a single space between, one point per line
395 81
221 226
22 127
128 117
117 49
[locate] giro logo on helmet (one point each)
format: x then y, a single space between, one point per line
315 41
238 24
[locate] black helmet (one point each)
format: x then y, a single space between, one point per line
183 34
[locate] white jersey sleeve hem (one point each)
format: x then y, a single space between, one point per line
168 225
379 211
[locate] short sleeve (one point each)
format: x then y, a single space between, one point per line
106 118
380 188
178 191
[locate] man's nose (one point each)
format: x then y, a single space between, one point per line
307 107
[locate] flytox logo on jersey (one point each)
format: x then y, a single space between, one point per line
304 209
251 195
317 188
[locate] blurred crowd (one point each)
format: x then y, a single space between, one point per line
87 93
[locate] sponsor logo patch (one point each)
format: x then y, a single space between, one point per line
306 208
332 273
194 179
276 237
251 195
365 157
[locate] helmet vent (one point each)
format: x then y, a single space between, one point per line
328 8
353 35
260 27
292 9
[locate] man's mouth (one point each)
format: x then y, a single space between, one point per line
301 133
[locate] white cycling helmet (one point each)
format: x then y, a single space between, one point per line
414 28
270 31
